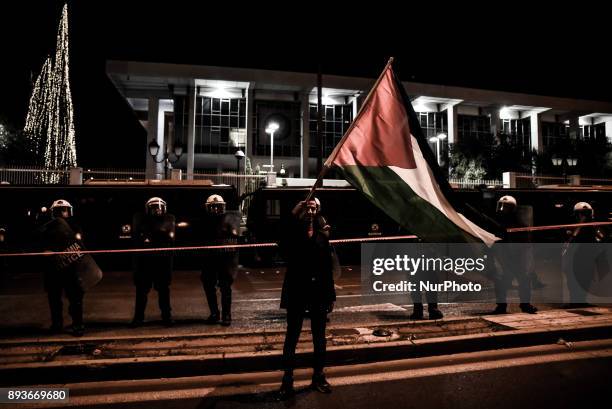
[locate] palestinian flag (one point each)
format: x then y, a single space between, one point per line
385 155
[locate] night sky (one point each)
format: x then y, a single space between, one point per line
557 52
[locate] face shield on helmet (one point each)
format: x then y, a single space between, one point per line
506 205
156 206
215 205
61 208
583 211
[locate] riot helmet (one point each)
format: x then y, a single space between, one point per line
215 205
506 205
583 211
61 208
156 206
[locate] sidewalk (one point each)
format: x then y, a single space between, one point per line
218 351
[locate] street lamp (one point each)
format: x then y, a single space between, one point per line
564 162
270 129
437 139
239 155
154 150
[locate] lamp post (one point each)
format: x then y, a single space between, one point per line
177 151
270 129
239 155
437 139
565 163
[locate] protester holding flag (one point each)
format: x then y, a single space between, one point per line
308 289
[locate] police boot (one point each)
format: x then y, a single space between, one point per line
57 322
501 308
139 308
226 305
286 390
319 383
417 312
57 315
434 312
164 306
76 312
528 308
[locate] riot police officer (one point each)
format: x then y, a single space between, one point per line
61 274
585 258
514 259
219 265
154 229
308 289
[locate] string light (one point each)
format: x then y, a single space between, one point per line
50 119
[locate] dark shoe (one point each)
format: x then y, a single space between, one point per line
56 328
320 384
78 330
528 308
168 321
136 322
286 390
227 320
417 312
500 309
213 319
435 314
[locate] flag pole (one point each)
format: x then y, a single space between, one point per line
332 156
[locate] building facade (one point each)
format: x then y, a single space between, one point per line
212 112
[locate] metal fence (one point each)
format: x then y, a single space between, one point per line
114 175
33 175
474 184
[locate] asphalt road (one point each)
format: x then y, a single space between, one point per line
109 305
547 376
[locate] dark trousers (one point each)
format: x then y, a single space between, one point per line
503 281
74 293
163 298
224 279
295 319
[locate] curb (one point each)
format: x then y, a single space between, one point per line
185 366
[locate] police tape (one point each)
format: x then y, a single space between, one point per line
192 248
269 245
555 227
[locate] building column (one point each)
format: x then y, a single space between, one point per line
305 114
453 130
190 148
574 127
496 125
537 143
250 109
154 170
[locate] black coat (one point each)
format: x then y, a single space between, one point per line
309 281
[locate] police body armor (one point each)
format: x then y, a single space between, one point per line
222 230
154 232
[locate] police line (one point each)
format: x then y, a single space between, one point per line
269 245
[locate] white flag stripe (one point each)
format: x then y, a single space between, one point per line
421 180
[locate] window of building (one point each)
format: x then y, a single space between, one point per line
473 126
336 121
220 125
287 139
517 132
553 132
